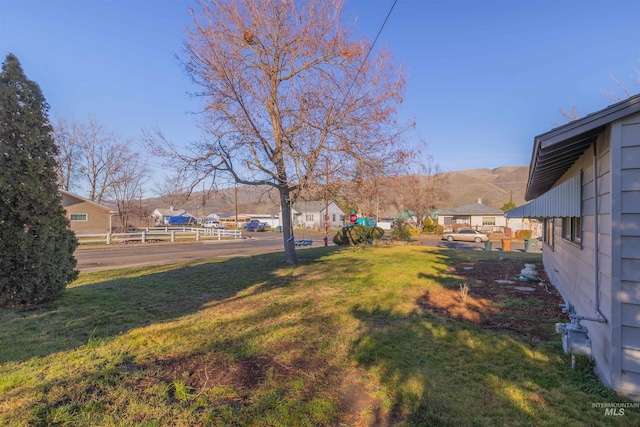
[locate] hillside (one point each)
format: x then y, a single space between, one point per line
494 186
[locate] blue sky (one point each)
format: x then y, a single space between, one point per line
485 77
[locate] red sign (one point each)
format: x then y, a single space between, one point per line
353 218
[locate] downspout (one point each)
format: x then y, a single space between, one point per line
596 248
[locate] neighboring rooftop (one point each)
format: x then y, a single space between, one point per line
472 209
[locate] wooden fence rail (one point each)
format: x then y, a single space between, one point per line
165 234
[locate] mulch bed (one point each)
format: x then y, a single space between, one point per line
528 316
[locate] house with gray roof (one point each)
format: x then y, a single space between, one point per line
584 184
160 215
473 215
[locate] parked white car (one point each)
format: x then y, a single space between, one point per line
212 223
466 236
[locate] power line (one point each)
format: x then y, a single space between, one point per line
370 49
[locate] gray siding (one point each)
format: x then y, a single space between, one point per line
628 234
571 268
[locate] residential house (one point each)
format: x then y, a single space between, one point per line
584 184
86 216
312 215
160 215
473 215
228 219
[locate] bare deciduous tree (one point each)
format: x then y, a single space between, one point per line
102 157
420 193
287 86
90 156
570 115
68 157
171 191
125 187
611 94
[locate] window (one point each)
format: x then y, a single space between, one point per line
309 217
572 229
334 218
77 217
448 220
548 231
489 220
462 220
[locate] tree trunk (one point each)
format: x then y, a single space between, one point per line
290 255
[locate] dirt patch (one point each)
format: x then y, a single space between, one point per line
525 315
202 372
359 407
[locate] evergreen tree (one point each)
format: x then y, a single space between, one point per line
36 245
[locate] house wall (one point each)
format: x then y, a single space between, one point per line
476 220
97 217
308 219
572 268
339 216
473 221
318 221
626 251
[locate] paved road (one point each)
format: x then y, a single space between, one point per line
91 258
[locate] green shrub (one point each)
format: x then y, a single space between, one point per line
401 231
433 229
357 234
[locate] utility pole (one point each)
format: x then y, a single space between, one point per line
203 202
327 226
236 192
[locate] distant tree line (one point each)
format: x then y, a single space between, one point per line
100 165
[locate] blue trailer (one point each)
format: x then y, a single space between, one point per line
180 220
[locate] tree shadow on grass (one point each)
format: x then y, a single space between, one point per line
120 301
444 372
438 369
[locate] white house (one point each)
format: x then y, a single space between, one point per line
159 215
584 183
473 215
312 215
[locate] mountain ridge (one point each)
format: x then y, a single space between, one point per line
494 187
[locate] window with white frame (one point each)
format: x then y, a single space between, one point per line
78 217
309 217
488 220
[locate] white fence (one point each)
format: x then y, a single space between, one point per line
165 234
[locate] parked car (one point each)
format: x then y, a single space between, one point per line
212 223
253 225
466 236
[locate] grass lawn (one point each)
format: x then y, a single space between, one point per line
381 336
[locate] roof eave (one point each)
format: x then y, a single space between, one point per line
555 151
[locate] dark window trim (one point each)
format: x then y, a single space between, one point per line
548 232
572 231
